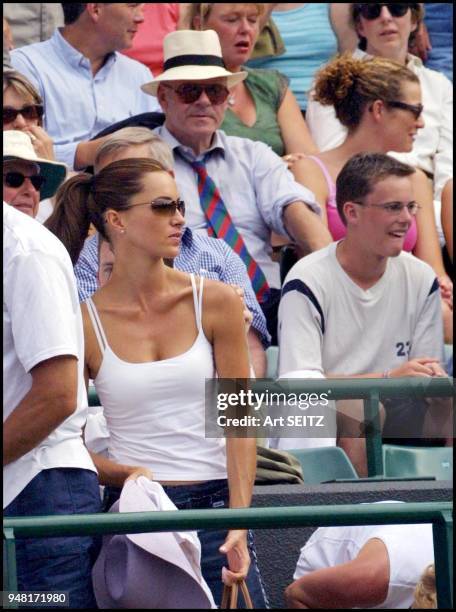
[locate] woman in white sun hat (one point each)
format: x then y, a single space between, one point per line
27 178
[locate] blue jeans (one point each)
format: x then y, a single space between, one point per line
60 563
211 494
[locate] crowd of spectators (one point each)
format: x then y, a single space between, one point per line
157 158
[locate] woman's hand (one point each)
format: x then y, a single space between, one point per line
42 142
140 471
446 290
291 158
423 366
237 553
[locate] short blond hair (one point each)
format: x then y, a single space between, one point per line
202 10
425 592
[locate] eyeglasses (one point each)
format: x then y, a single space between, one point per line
191 92
33 111
16 179
415 109
163 206
393 208
372 10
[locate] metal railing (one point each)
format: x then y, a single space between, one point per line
438 513
370 390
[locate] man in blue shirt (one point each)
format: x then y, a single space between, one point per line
199 254
85 83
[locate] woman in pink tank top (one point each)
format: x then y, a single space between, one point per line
151 328
379 102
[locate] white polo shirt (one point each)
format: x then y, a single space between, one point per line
41 320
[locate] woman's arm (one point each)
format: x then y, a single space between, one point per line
295 133
309 174
347 38
223 323
427 246
115 474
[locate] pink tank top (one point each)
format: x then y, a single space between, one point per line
335 224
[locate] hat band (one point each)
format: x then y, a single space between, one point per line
193 60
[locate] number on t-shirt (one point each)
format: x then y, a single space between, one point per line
403 349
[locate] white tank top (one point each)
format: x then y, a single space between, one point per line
155 410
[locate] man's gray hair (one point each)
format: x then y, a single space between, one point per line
132 136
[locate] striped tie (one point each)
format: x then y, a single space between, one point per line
220 225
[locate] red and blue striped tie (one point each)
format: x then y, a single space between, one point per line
221 225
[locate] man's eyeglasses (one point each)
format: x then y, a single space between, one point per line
32 111
373 9
16 179
163 206
415 109
191 92
393 208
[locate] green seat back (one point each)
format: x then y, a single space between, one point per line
272 358
325 463
413 461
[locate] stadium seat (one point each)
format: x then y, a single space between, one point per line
415 461
272 357
323 464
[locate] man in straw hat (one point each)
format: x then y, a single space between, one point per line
235 188
46 468
27 179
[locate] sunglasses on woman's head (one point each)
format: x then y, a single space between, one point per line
163 206
191 92
373 10
16 179
32 111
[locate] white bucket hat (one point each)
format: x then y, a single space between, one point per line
192 55
18 145
149 570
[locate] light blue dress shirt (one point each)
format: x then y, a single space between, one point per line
78 104
255 185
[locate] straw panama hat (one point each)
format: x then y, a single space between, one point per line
192 55
18 145
149 570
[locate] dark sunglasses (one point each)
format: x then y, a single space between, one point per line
16 179
415 109
191 92
164 206
33 111
373 10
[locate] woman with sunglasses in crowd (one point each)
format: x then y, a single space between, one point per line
27 178
379 103
153 335
23 111
387 30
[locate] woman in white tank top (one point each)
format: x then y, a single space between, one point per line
153 335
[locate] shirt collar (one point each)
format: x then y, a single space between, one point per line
187 152
413 61
74 57
187 237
